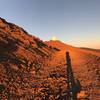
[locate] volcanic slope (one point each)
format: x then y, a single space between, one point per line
22 61
85 64
31 69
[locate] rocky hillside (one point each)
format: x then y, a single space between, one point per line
31 69
22 61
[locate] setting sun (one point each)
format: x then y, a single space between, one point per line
54 38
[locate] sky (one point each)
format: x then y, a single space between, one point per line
75 22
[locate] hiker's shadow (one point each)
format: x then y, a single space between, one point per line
77 86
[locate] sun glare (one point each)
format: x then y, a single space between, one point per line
54 38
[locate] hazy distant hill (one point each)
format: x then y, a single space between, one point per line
91 49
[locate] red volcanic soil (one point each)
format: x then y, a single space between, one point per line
86 66
31 69
21 58
77 55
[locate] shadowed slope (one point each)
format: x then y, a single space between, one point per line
22 58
